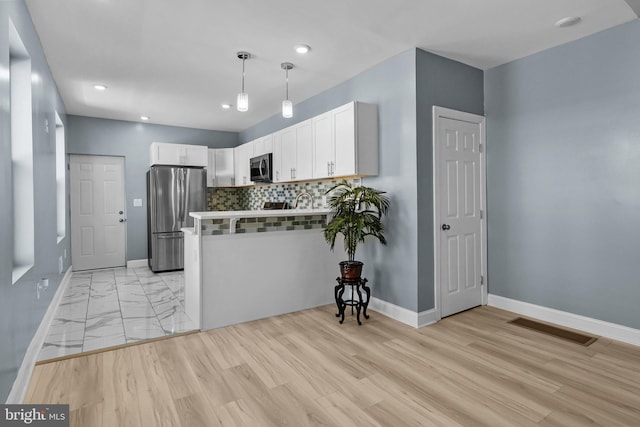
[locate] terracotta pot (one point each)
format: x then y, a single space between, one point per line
351 270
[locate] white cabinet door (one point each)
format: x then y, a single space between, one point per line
239 169
263 145
322 145
288 154
242 154
344 141
162 153
193 155
220 169
211 168
304 151
277 157
293 153
224 167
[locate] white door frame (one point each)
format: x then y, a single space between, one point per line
441 112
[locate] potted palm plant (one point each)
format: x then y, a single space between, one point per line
357 213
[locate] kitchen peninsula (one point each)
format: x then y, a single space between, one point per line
247 265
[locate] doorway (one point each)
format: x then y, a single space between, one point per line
460 243
98 220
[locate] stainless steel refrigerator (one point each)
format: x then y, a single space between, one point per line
172 192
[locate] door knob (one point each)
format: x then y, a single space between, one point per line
121 212
446 227
121 220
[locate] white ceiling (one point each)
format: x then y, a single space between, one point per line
175 61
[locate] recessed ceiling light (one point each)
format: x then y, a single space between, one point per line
302 48
100 87
226 106
145 118
568 21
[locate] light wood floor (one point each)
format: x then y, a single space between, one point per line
472 369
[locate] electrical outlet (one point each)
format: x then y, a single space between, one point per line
324 201
41 286
60 265
65 253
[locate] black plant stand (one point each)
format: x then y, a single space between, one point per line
357 303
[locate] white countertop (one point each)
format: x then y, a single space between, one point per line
259 213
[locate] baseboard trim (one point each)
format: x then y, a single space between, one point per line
21 384
401 314
427 317
137 263
570 320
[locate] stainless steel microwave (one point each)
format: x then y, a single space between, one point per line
261 168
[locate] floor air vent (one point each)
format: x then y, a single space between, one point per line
555 331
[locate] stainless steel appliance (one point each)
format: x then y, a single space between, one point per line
260 168
172 192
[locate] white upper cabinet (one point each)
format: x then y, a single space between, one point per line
322 145
242 154
339 143
263 145
293 153
284 155
211 168
220 170
345 141
162 153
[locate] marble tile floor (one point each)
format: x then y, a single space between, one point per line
104 308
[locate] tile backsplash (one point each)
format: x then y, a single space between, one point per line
266 224
253 198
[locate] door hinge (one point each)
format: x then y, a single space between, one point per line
481 148
481 214
481 280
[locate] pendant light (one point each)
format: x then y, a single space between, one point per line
243 98
287 106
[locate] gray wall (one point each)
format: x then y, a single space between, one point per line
87 135
20 311
392 269
563 168
444 83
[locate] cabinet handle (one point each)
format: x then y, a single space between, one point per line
333 168
294 173
277 175
328 169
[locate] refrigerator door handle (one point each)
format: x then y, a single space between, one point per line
170 236
180 195
183 202
154 209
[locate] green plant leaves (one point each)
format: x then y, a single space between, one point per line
357 213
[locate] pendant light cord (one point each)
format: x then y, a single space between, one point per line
287 79
243 59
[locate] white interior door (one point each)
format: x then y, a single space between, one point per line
97 212
459 206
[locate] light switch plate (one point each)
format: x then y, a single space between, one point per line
137 203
